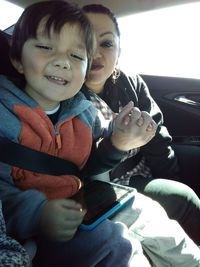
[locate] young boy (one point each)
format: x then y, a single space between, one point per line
52 49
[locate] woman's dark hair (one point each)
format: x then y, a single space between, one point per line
57 14
94 8
100 9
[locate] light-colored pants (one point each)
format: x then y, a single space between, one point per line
112 244
163 239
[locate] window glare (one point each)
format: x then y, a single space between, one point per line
9 14
162 42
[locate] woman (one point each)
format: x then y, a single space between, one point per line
109 90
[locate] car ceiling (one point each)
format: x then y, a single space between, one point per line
119 7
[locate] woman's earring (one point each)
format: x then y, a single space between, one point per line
115 75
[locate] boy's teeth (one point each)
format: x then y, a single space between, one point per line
56 78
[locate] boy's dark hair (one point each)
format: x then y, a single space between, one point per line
95 8
57 13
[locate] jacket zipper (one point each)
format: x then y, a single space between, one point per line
58 138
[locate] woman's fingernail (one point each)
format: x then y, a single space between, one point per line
130 103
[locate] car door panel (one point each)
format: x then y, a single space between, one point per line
182 118
179 100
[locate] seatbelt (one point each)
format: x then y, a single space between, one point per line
29 159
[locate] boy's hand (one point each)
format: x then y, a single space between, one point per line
60 219
132 128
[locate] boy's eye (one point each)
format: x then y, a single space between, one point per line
46 47
77 57
107 44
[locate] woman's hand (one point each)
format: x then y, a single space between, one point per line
132 128
60 219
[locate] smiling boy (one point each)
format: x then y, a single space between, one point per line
54 67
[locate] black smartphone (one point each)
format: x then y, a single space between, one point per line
102 199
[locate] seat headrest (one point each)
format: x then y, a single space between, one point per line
6 66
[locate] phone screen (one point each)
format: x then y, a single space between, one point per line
98 197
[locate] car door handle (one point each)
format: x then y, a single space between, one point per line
185 100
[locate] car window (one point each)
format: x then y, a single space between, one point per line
9 14
162 42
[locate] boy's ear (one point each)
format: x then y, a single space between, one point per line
17 65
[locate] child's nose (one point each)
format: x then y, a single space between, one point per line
63 63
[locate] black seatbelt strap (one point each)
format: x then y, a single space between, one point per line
29 159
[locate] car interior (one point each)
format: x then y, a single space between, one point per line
177 97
